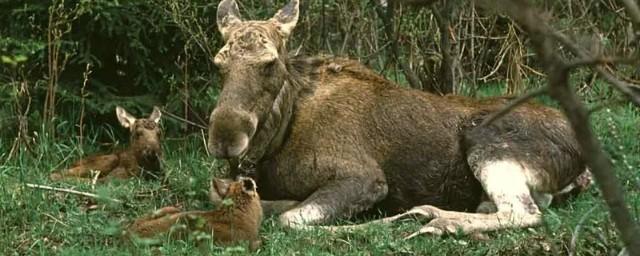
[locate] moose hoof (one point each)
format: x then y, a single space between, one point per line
436 227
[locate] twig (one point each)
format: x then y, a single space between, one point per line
594 61
184 120
633 11
56 219
513 104
204 141
83 96
71 191
95 179
622 86
576 231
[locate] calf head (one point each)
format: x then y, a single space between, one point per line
145 132
242 189
253 66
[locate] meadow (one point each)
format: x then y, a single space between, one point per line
42 222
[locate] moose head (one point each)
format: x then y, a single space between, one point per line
253 66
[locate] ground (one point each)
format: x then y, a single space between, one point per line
41 222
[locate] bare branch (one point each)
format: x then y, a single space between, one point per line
633 11
184 120
541 35
389 29
621 86
71 191
513 104
595 61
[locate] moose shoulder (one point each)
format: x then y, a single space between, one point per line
341 139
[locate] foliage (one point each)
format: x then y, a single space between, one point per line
38 222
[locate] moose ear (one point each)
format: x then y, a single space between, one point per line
155 115
287 17
126 119
228 15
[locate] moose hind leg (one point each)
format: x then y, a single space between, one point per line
505 183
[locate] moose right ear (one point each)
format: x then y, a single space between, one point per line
228 15
126 119
287 17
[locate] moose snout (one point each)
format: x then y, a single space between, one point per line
230 132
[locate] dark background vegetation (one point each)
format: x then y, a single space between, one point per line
66 64
143 53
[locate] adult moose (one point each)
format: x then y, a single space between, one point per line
341 139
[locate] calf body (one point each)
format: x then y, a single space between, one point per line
343 140
140 159
235 220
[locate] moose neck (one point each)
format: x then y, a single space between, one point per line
272 131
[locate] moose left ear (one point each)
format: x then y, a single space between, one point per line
125 119
155 115
227 16
287 17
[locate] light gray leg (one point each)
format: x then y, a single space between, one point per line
341 198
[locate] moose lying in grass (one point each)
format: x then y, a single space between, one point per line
140 159
333 134
236 219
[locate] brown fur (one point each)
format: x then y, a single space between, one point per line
230 223
335 135
140 159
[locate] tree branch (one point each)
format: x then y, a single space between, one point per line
621 86
389 29
558 80
513 104
634 12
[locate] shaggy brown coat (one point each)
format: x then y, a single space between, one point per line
140 159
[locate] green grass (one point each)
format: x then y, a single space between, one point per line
39 222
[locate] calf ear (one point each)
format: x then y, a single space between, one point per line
248 185
287 17
219 189
155 115
126 119
228 15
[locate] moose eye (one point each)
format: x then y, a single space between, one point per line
268 67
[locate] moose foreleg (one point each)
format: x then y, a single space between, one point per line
341 198
272 208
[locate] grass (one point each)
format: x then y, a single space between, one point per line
39 222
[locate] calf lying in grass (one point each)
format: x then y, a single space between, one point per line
140 159
236 219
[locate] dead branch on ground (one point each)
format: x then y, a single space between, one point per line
71 191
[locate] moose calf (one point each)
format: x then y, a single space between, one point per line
237 218
140 159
